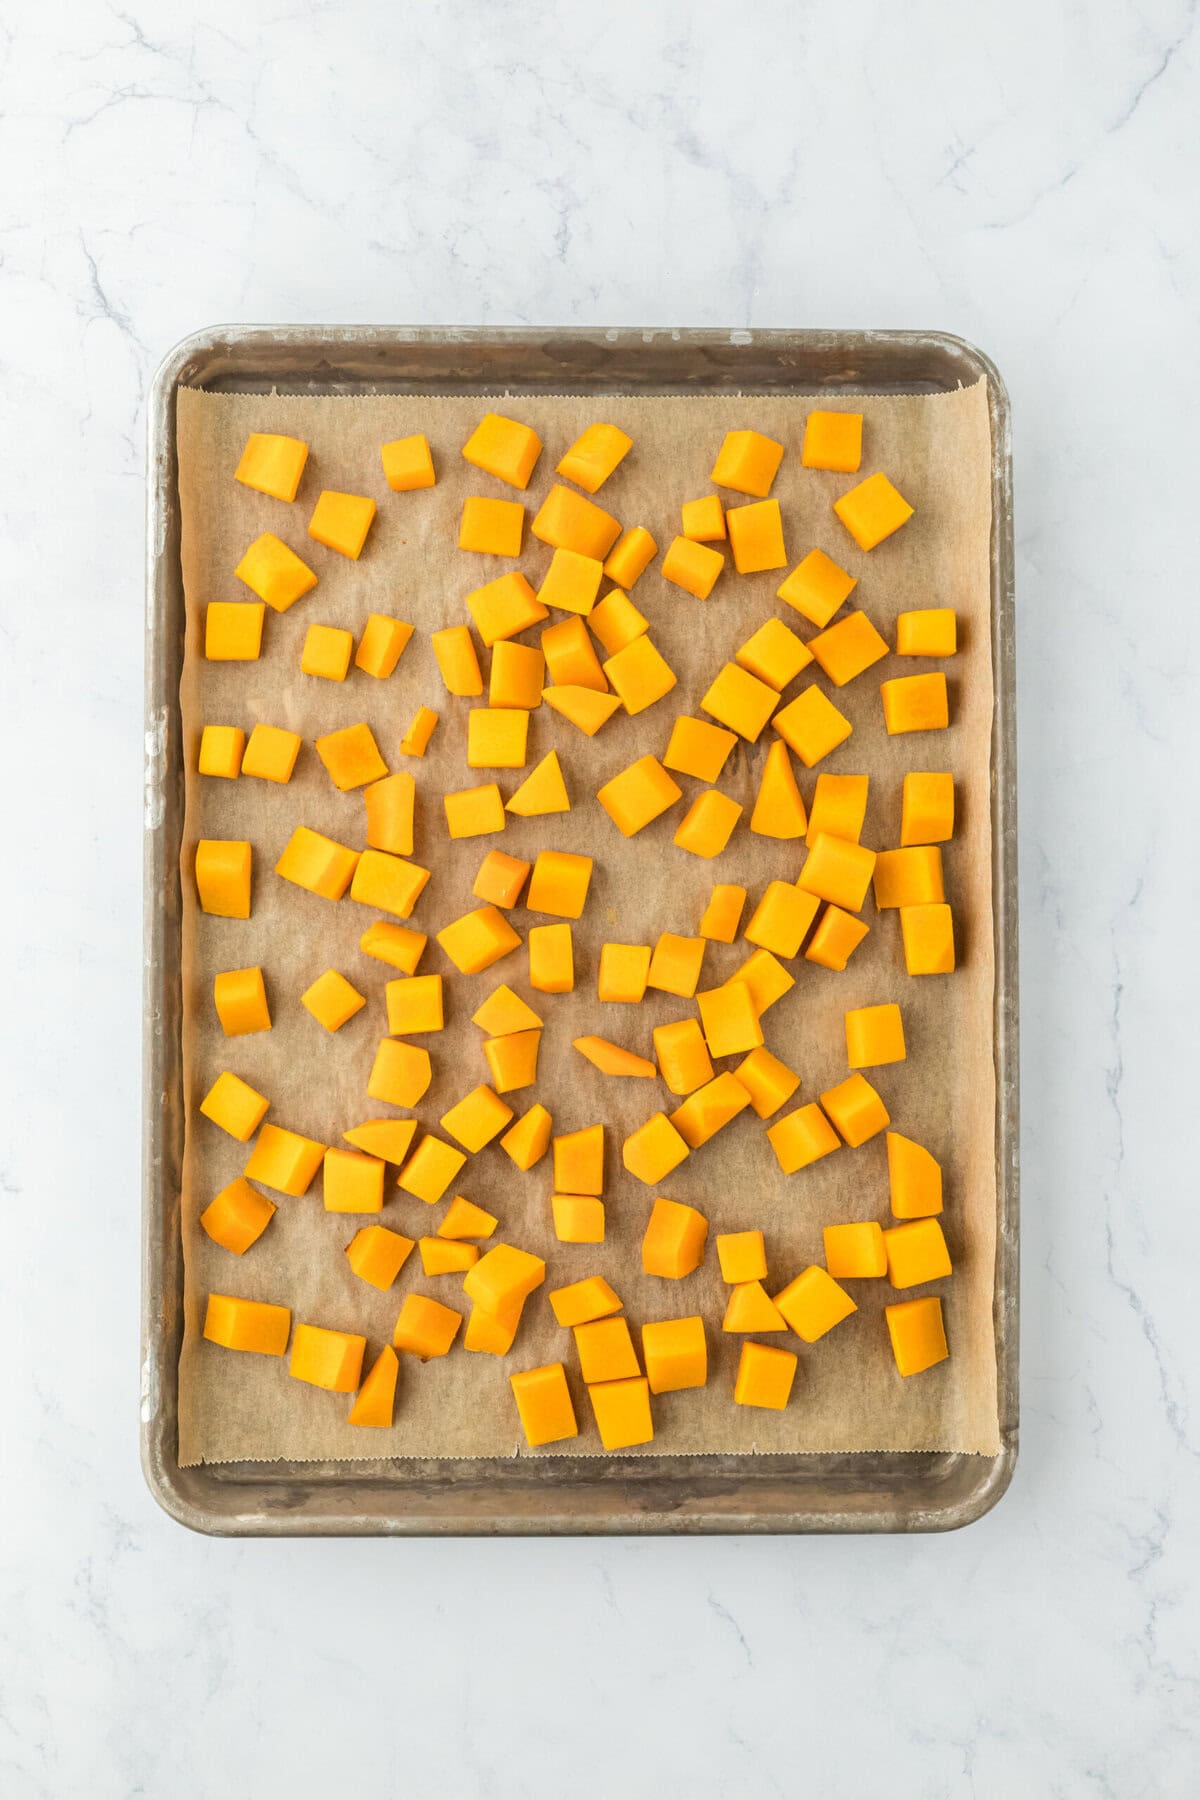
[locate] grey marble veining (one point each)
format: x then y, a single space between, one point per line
1025 174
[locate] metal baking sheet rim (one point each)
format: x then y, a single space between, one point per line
869 1491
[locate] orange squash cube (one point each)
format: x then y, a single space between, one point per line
528 1140
742 1255
473 812
594 455
775 654
768 1081
927 815
388 883
491 527
801 1137
585 708
683 1060
675 965
504 1277
747 462
703 520
640 674
504 448
237 1217
723 914
400 1074
933 631
559 884
502 608
457 661
730 1020
917 1334
847 648
638 795
741 701
916 1252
856 1109
570 657
377 1255
247 1324
223 872
833 440
914 1179
675 1354
709 1109
381 645
578 1218
872 511
571 582
908 877
284 1160
544 1405
414 1005
566 521
674 1240
504 1012
583 1301
816 588
605 1350
425 1327
500 879
439 1257
623 971
551 959
233 630
326 652
351 757
928 934
395 945
430 1169
837 870
766 978
407 463
653 1150
836 938
765 1376
756 537
813 1304
692 566
630 557
874 1035
622 1412
491 1334
497 738
615 621
466 1220
341 522
235 1106
272 464
353 1182
479 1117
221 750
915 703
332 1000
698 748
781 918
812 726
375 1402
275 573
579 1161
855 1252
839 807
415 741
271 753
390 804
708 824
516 678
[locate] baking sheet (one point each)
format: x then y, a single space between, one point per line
847 1395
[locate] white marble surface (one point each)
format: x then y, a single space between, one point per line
1024 174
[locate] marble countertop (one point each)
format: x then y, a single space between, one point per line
1024 175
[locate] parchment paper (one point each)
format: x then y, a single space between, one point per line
847 1395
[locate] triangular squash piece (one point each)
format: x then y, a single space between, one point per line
915 1179
611 1059
542 791
504 1012
466 1220
751 1308
389 1138
583 706
778 810
529 1139
376 1398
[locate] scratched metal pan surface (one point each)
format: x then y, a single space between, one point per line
668 1494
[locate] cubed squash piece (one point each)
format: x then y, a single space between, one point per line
543 791
223 870
723 914
730 1020
501 609
855 1252
750 1308
430 1169
928 934
586 709
425 1327
567 521
235 1106
709 1109
915 703
466 1220
676 964
916 1252
559 884
400 1074
833 440
377 1255
351 757
551 959
473 812
479 939
375 1402
872 511
781 918
742 1255
816 588
708 824
271 753
389 883
458 661
683 1059
570 657
917 1334
837 870
284 1160
326 652
932 631
836 938
594 455
630 557
623 971
237 1217
639 674
233 630
353 1182
390 804
698 748
544 1405
504 448
221 750
500 879
512 1060
622 1412
741 701
765 1376
615 621
766 977
748 462
438 1257
516 678
390 1139
491 527
238 1324
768 1081
675 1354
703 520
381 645
909 877
316 863
275 573
674 1240
341 522
526 1142
591 1298
396 945
693 567
653 1150
839 806
579 1161
856 1109
571 582
477 1118
407 463
332 1000
414 1005
272 464
914 1179
778 808
927 815
756 537
800 1137
504 1012
813 1303
775 654
605 1350
497 738
638 795
578 1218
812 726
844 650
874 1035
503 1277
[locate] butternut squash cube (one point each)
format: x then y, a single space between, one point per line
775 654
917 1333
272 464
583 1301
766 977
872 511
414 1005
316 863
622 1412
221 750
839 806
388 883
466 1220
916 1252
351 756
756 537
855 1252
813 1303
856 1109
284 1160
500 609
504 1012
504 1277
570 657
816 588
675 965
836 938
915 703
748 462
640 674
407 463
578 1218
741 701
238 1324
479 939
683 1060
544 1405
709 1109
653 1150
377 1255
698 748
382 644
703 520
837 870
768 1081
430 1169
390 1139
400 1074
375 1401
551 959
583 706
933 631
579 1161
909 877
765 1376
271 753
275 573
874 1035
707 826
729 1018
237 1217
928 934
675 1354
742 1255
516 677
415 741
567 521
425 1327
332 1000
326 652
927 815
559 884
479 1117
223 867
781 918
613 1059
812 726
395 945
616 621
528 1140
623 971
723 914
543 791
750 1308
341 522
571 582
490 1332
674 1240
233 630
504 448
801 1137
594 455
914 1179
638 795
390 804
235 1106
491 527
497 739
833 440
605 1350
473 812
844 650
500 879
439 1257
457 661
353 1182
630 557
693 567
